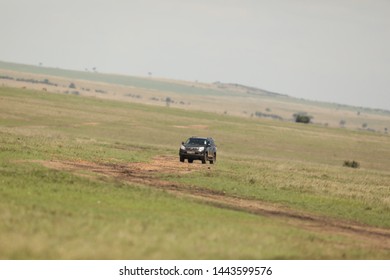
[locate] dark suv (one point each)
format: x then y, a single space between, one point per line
198 148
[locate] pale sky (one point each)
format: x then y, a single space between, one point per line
325 50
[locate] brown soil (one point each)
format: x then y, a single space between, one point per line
147 174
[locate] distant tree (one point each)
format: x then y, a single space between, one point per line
302 118
386 130
168 101
72 85
364 125
342 123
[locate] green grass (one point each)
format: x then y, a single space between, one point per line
57 215
74 213
50 214
357 195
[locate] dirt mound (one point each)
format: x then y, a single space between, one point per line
147 174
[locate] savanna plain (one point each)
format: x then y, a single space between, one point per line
90 178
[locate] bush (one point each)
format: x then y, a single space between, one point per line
352 164
265 115
302 118
6 78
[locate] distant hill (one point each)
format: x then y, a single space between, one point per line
246 89
223 98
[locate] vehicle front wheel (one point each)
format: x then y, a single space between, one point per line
204 159
212 161
182 159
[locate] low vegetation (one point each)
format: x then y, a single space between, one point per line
302 118
352 164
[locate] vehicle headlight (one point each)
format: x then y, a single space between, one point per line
182 147
201 149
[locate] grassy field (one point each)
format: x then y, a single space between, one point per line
49 212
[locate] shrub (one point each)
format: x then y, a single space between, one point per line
302 118
168 101
6 78
100 91
352 164
265 115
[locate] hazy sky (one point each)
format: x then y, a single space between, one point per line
327 50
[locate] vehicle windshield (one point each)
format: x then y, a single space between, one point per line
196 141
